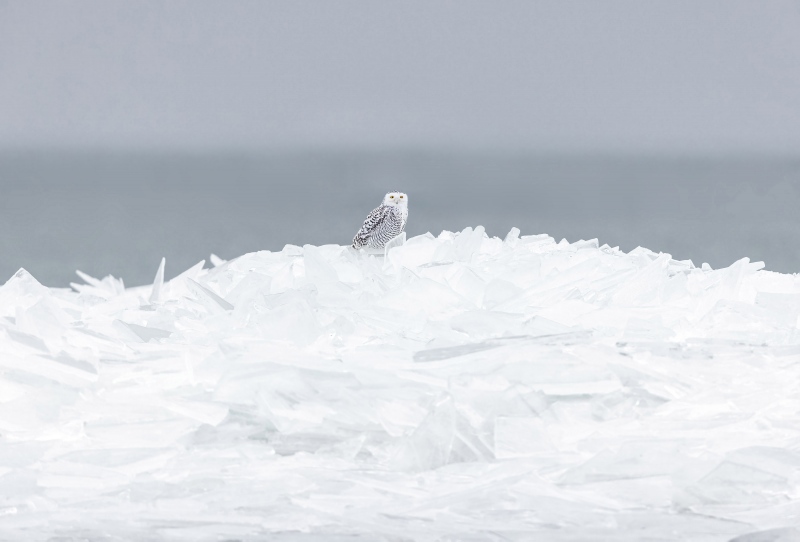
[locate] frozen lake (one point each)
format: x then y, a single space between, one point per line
120 214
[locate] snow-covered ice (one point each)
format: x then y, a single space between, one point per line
460 388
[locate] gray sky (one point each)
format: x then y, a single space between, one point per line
718 76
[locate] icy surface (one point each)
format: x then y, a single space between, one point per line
460 388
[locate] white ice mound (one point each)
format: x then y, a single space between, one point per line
460 387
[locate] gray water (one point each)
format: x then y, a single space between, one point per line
120 213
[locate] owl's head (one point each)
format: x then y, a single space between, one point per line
395 198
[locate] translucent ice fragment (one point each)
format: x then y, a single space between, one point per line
632 460
487 324
744 321
584 244
206 412
290 251
28 369
539 241
651 329
249 288
644 254
397 417
145 333
644 288
192 272
624 403
445 249
108 286
346 449
9 391
519 437
539 325
415 252
782 534
209 298
80 364
283 279
732 482
27 339
443 437
732 279
216 261
317 267
567 312
512 237
467 284
293 321
427 296
130 461
21 290
158 283
114 433
499 291
785 304
468 243
347 268
398 241
20 454
437 354
80 477
44 319
780 461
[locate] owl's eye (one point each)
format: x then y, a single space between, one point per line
401 197
391 197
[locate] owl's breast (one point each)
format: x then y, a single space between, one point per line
402 214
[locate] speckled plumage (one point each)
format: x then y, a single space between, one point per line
384 223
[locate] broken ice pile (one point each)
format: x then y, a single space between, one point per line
460 388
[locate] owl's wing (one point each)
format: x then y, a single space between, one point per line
370 224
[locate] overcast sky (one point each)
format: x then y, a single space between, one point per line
716 75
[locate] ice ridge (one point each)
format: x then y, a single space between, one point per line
459 387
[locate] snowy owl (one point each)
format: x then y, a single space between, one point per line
384 223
